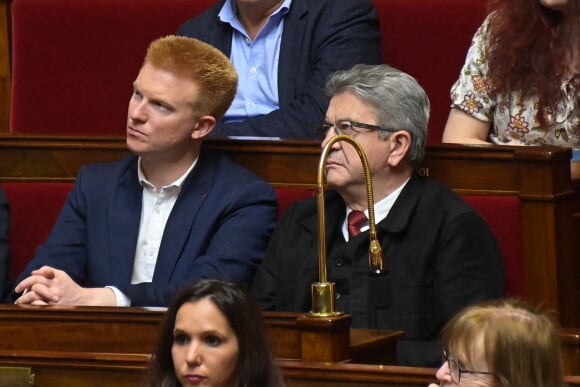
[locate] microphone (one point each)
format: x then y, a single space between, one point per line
323 291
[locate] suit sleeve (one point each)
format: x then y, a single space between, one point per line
468 269
276 285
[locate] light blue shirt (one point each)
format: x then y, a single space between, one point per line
256 63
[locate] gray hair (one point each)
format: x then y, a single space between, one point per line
398 100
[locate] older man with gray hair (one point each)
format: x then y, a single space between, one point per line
440 254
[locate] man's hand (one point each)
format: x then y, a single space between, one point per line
50 286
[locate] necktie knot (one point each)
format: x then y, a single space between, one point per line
356 219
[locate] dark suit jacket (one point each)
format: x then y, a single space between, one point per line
320 37
219 228
440 254
5 280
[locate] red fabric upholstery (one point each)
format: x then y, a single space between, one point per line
502 214
34 207
429 40
288 195
74 61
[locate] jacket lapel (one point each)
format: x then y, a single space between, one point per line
125 215
403 207
291 49
178 229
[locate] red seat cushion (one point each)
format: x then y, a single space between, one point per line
34 207
74 61
502 214
288 195
429 40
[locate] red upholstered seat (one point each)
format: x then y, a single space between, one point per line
429 40
288 195
34 207
502 214
74 61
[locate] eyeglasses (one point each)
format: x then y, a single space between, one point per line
455 370
347 127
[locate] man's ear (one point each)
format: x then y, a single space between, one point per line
399 143
203 127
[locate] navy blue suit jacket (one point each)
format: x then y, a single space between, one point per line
319 37
218 228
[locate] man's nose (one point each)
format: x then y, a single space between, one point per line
137 112
329 135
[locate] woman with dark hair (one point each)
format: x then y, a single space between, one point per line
522 73
503 343
213 335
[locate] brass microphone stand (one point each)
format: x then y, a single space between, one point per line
324 292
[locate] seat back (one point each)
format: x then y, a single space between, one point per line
429 40
74 61
34 207
288 195
502 214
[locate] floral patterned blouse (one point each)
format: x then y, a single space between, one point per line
513 116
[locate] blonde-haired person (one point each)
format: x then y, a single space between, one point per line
135 231
501 343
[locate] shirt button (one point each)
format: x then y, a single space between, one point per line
253 70
339 262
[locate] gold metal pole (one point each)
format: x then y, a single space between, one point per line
323 292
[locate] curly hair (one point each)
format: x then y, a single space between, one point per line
530 48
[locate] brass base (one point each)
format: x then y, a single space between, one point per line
328 314
323 300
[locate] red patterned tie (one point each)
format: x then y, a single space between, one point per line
356 219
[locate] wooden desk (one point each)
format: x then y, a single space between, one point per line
100 346
293 336
87 340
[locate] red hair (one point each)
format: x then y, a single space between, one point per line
530 48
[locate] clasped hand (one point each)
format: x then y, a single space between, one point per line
50 286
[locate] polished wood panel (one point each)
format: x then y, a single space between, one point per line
293 336
571 350
96 346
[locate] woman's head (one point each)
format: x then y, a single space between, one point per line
503 343
212 332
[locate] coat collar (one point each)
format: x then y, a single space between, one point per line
395 222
